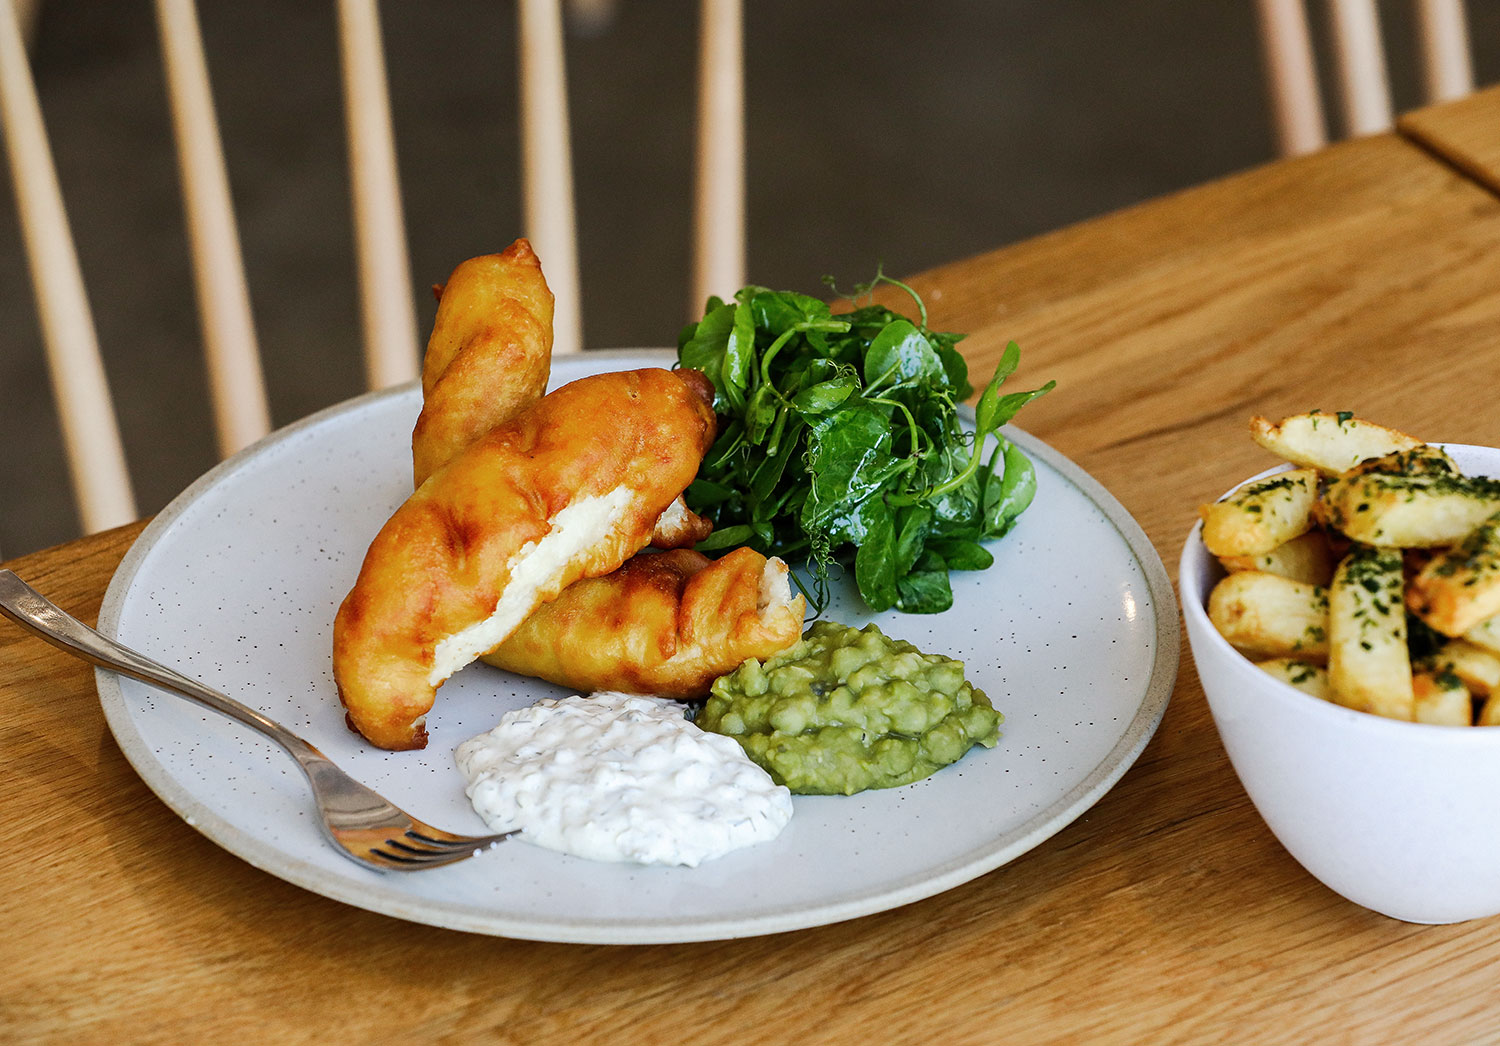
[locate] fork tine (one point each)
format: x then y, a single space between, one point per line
404 846
419 850
437 837
412 861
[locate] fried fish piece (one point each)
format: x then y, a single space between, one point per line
535 504
489 354
679 526
668 623
489 357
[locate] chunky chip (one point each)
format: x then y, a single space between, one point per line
1330 443
1389 511
1423 460
1441 699
1307 558
1307 676
1267 616
1460 588
1486 634
1477 668
1369 666
1261 515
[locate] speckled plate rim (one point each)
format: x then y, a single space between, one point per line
380 897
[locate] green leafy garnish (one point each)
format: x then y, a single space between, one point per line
839 436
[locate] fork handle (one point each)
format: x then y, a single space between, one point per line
40 616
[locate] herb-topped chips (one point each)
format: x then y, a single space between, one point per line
1408 624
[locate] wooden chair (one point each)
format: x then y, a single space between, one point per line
1359 58
96 461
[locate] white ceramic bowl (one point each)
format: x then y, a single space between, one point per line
1403 818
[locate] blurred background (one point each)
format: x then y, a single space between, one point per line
879 132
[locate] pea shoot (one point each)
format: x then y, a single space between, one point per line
840 437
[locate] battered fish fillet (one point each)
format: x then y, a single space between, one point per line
680 527
569 488
666 624
488 357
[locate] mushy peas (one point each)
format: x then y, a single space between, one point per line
848 709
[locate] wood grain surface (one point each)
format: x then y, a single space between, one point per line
1361 278
1466 133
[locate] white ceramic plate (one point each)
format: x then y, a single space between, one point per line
1072 633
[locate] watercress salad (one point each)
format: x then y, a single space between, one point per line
841 433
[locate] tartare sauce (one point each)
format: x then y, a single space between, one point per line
618 777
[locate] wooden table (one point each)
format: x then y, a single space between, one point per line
1462 134
1366 278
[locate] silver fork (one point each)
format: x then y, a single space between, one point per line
359 822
